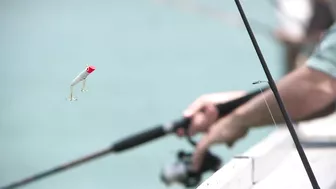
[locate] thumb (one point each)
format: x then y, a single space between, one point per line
203 120
200 152
194 107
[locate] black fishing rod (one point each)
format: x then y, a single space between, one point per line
273 87
131 141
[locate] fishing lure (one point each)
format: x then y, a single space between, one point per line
81 77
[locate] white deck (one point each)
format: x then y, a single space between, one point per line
290 173
275 164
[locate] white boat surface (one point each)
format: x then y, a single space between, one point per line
274 162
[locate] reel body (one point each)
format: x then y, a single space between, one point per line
181 171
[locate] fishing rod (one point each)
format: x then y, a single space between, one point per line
274 89
131 142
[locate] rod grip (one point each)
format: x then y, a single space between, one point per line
228 107
139 138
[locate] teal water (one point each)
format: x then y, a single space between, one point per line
152 61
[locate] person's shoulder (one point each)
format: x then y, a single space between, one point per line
324 57
328 39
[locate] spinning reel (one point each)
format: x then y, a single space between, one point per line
181 171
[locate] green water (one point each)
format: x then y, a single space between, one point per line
152 61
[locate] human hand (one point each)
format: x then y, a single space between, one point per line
204 118
226 130
203 111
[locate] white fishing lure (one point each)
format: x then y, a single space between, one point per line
81 77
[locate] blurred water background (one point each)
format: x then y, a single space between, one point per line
152 61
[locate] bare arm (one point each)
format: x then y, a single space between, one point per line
304 92
326 111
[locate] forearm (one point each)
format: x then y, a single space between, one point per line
324 112
303 93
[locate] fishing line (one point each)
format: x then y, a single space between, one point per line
230 18
263 95
227 17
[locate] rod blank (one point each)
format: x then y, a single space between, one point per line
272 84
